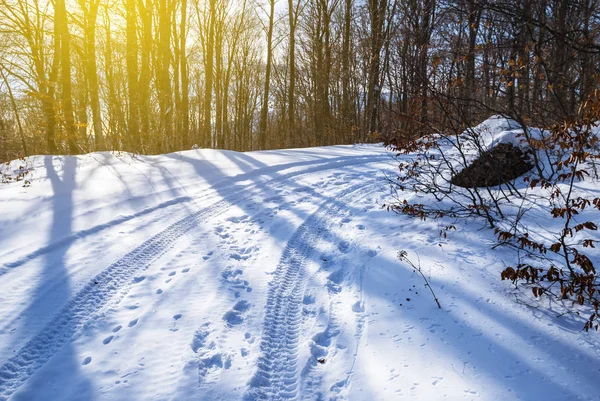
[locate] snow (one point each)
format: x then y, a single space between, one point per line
219 275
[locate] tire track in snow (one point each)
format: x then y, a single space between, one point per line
277 373
66 324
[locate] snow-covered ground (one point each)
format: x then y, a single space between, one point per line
216 275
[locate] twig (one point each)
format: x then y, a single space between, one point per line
402 255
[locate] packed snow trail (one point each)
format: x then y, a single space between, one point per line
113 280
277 374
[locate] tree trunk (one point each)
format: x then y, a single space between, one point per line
165 94
346 101
185 82
61 29
377 10
208 82
132 141
292 19
145 73
92 74
264 111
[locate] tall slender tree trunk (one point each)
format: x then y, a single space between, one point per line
218 83
473 18
377 10
327 69
92 74
346 99
145 73
292 19
165 94
428 10
132 140
264 111
185 82
208 81
81 94
175 141
62 31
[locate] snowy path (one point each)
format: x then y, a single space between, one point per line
277 375
260 276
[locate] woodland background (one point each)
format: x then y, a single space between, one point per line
155 76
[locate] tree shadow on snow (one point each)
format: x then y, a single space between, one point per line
63 378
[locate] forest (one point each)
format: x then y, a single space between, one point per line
156 76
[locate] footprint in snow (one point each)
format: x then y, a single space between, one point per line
371 253
234 316
172 273
232 277
309 308
209 367
243 253
175 318
210 360
334 281
238 219
200 337
107 340
133 323
248 337
344 246
87 360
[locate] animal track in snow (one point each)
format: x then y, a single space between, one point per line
107 340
